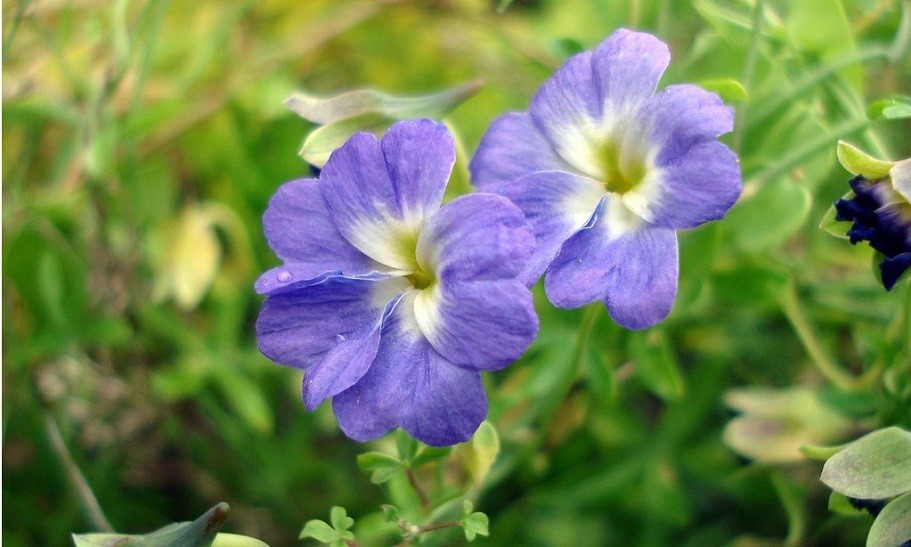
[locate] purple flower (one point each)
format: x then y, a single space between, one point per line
880 211
391 304
606 171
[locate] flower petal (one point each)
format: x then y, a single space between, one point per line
557 205
627 67
681 116
892 269
410 385
297 328
299 229
419 157
378 195
632 268
447 405
377 403
512 147
567 110
698 186
345 363
479 236
483 325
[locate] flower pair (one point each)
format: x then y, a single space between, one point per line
393 305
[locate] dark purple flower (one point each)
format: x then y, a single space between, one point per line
391 304
880 213
606 171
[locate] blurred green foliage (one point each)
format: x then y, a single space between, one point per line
142 140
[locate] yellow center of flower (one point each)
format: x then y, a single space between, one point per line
420 279
621 173
421 276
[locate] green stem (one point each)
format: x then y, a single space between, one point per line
413 479
80 485
749 67
792 310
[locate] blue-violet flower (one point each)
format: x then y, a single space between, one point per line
606 170
880 211
391 304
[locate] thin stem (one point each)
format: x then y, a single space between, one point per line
792 310
749 67
80 485
413 479
438 526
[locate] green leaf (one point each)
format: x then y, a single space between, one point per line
730 90
893 524
382 475
840 504
318 530
390 512
478 454
320 143
876 466
656 364
340 519
897 107
858 162
467 508
428 454
834 227
371 461
352 104
366 110
234 540
199 533
475 524
406 445
766 218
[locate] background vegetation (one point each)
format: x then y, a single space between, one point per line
142 140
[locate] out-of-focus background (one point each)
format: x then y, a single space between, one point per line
142 140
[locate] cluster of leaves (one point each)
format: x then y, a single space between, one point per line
873 474
139 153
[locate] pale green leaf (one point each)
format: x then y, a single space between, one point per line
834 227
876 466
858 162
318 530
234 540
359 102
478 454
475 524
893 524
340 519
321 142
199 533
371 461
